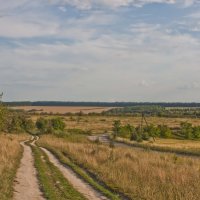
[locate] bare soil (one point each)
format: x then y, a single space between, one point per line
26 185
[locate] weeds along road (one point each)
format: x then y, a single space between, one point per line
77 183
26 185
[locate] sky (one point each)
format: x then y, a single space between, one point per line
100 50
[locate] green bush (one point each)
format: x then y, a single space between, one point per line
186 130
164 131
58 124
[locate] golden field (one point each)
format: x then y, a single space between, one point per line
137 173
62 109
101 124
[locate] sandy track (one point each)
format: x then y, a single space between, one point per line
26 185
80 185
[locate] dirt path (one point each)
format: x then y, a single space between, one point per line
26 184
80 185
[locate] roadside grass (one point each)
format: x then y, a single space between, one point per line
82 173
137 173
10 155
53 184
182 147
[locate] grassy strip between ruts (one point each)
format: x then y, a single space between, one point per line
83 174
53 184
184 152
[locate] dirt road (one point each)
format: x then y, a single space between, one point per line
26 185
80 185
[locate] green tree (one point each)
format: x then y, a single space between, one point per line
186 130
42 125
164 131
116 128
58 124
196 132
3 117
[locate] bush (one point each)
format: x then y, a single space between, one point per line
42 125
58 124
126 131
196 132
164 131
186 130
53 126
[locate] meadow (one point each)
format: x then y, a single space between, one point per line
102 124
137 173
167 168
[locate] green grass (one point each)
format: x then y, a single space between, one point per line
82 173
52 182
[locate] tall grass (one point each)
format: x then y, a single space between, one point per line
10 154
140 174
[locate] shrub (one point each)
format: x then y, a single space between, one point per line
186 130
58 124
164 131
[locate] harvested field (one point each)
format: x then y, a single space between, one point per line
62 109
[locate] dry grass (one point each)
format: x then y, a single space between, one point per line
139 174
63 109
10 153
172 143
100 124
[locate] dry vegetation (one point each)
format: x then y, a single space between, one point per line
63 109
139 174
100 124
10 154
172 143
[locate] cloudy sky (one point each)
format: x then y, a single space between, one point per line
100 50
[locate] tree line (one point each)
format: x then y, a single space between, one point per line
140 133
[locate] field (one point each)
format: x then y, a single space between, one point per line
137 173
70 166
10 154
101 124
62 109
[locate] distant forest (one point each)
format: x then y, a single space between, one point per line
104 104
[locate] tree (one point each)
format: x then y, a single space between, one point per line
58 124
42 125
3 117
164 131
186 130
116 128
196 132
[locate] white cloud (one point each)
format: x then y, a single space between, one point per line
88 4
62 8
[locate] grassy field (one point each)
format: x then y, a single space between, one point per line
137 173
62 109
172 143
10 154
102 124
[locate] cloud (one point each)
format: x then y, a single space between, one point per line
62 8
88 4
